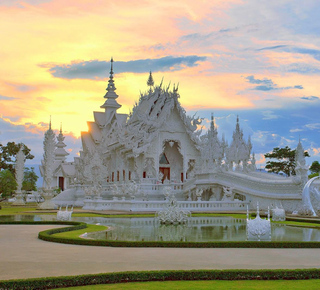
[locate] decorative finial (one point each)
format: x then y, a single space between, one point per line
50 123
111 72
212 121
111 87
60 127
150 81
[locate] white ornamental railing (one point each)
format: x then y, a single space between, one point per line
152 206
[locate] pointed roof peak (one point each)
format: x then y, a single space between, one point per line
111 70
111 95
50 123
212 120
150 81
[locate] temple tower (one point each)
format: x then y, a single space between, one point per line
60 153
110 105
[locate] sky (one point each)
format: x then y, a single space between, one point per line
256 59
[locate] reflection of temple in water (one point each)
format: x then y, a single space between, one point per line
198 229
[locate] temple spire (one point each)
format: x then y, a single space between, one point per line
212 121
60 152
110 105
150 81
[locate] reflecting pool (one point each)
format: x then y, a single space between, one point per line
198 229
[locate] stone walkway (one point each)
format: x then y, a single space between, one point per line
23 255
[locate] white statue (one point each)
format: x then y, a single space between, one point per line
49 146
199 192
172 214
307 207
19 173
258 229
228 195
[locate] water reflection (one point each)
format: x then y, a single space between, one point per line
198 229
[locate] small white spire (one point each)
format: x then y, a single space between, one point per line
111 104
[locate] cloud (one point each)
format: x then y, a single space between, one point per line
315 53
311 98
313 126
268 85
22 4
7 98
96 69
253 80
295 130
22 87
272 47
268 115
302 68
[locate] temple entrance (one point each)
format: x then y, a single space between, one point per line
166 173
61 183
164 167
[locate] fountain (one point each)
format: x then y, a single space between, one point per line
278 214
64 215
172 213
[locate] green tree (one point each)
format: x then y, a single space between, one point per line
315 167
8 153
8 183
285 160
29 180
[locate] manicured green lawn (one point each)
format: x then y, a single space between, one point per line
15 210
77 233
230 285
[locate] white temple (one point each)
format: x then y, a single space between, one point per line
127 160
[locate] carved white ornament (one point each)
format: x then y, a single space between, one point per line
19 169
49 145
172 213
258 229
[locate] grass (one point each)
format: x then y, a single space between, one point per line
15 210
77 233
230 285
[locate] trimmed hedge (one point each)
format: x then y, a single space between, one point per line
143 276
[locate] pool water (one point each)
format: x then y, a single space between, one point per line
198 229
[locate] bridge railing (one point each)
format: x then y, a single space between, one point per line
153 206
